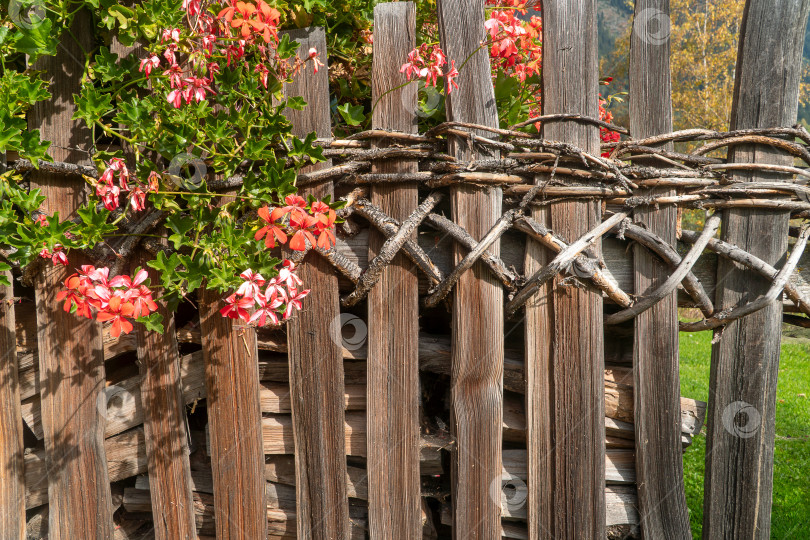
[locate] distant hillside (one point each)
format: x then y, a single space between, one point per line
613 18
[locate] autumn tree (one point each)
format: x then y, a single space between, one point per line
704 36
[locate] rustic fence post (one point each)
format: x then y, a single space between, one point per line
12 480
313 336
575 385
745 359
71 355
237 451
393 305
165 435
477 349
656 383
539 391
164 413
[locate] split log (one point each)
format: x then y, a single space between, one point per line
124 409
161 398
659 460
620 502
231 376
745 356
476 386
281 520
125 455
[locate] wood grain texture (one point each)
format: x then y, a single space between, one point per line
570 85
313 337
477 319
162 403
234 417
539 389
745 360
70 350
659 453
12 478
164 417
393 304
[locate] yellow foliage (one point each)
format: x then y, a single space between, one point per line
704 36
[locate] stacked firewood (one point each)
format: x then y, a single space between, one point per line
126 453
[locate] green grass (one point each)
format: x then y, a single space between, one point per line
791 478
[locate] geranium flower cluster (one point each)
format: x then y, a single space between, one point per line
516 44
300 222
118 300
606 135
116 179
253 302
426 62
234 33
58 255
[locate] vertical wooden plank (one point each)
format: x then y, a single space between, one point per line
570 85
165 427
167 450
313 337
659 461
12 478
393 362
745 359
539 392
235 422
71 356
477 346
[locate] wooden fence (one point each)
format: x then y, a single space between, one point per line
508 371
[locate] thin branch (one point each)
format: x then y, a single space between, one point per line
560 262
390 248
737 255
779 282
666 288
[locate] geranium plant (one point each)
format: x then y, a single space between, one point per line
206 87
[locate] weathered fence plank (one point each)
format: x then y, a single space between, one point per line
164 417
12 479
477 320
570 85
313 335
745 359
71 355
237 457
162 403
659 460
393 305
538 339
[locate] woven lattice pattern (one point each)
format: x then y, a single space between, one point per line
535 171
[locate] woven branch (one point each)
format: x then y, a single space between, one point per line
779 282
666 288
568 173
753 262
389 227
561 261
55 167
549 118
390 248
498 267
438 294
597 276
657 245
